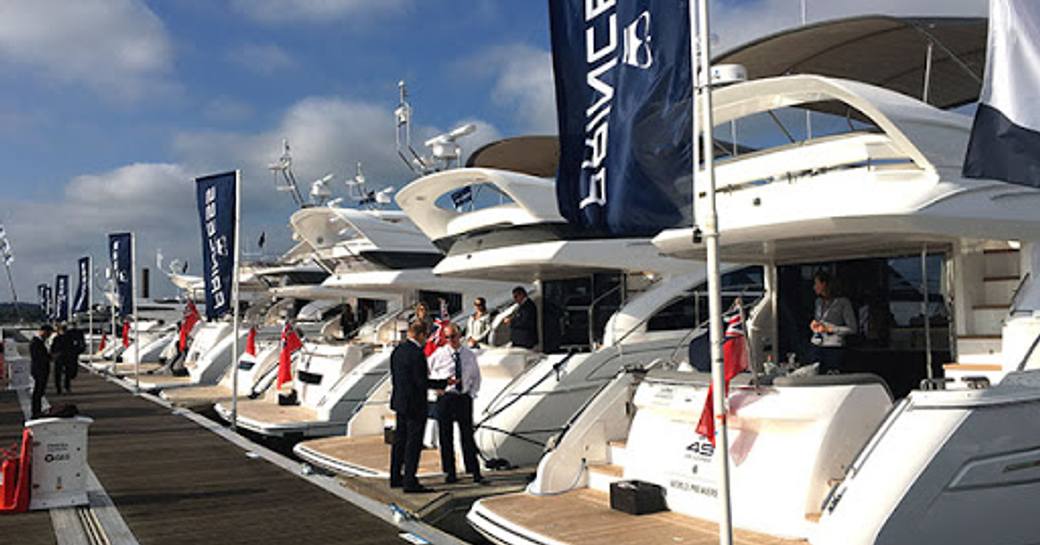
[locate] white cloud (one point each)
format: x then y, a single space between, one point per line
116 48
156 200
152 199
316 11
523 83
264 59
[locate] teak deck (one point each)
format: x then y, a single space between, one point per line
584 517
269 411
198 396
372 453
175 482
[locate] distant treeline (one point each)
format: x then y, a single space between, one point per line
26 312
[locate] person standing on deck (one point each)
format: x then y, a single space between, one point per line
833 320
523 324
409 377
457 364
40 367
478 325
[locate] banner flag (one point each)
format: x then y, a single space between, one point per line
215 196
61 298
624 107
1005 138
43 294
82 300
119 249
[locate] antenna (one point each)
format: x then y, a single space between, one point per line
284 179
320 192
445 147
403 116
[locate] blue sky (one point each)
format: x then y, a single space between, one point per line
109 107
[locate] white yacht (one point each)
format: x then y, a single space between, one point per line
381 265
853 458
603 304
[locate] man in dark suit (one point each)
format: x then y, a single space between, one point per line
409 377
523 324
40 367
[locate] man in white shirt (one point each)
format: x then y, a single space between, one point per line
457 365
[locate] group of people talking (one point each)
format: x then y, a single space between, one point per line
452 373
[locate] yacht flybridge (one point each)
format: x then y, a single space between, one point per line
939 269
381 265
604 304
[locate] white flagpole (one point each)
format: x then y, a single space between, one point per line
234 302
90 305
711 236
133 296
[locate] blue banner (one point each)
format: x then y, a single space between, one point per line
119 245
215 196
61 298
623 98
43 295
82 301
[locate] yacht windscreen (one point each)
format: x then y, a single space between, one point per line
787 126
473 197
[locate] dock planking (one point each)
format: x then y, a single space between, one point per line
175 482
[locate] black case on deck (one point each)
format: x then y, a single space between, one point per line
637 497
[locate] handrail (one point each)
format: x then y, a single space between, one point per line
556 368
1016 293
592 308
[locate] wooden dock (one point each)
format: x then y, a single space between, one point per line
173 481
33 528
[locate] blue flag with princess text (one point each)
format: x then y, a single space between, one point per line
43 294
119 251
215 196
624 106
1005 138
61 298
82 301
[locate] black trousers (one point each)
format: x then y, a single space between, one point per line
40 377
64 372
830 358
453 408
406 450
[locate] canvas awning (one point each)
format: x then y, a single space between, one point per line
889 52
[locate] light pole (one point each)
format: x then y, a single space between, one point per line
8 256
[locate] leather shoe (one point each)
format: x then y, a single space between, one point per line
417 489
477 479
395 484
451 479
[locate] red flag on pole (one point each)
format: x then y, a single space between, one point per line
126 334
191 317
251 342
734 360
290 343
437 339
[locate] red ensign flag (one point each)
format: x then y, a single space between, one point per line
735 361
